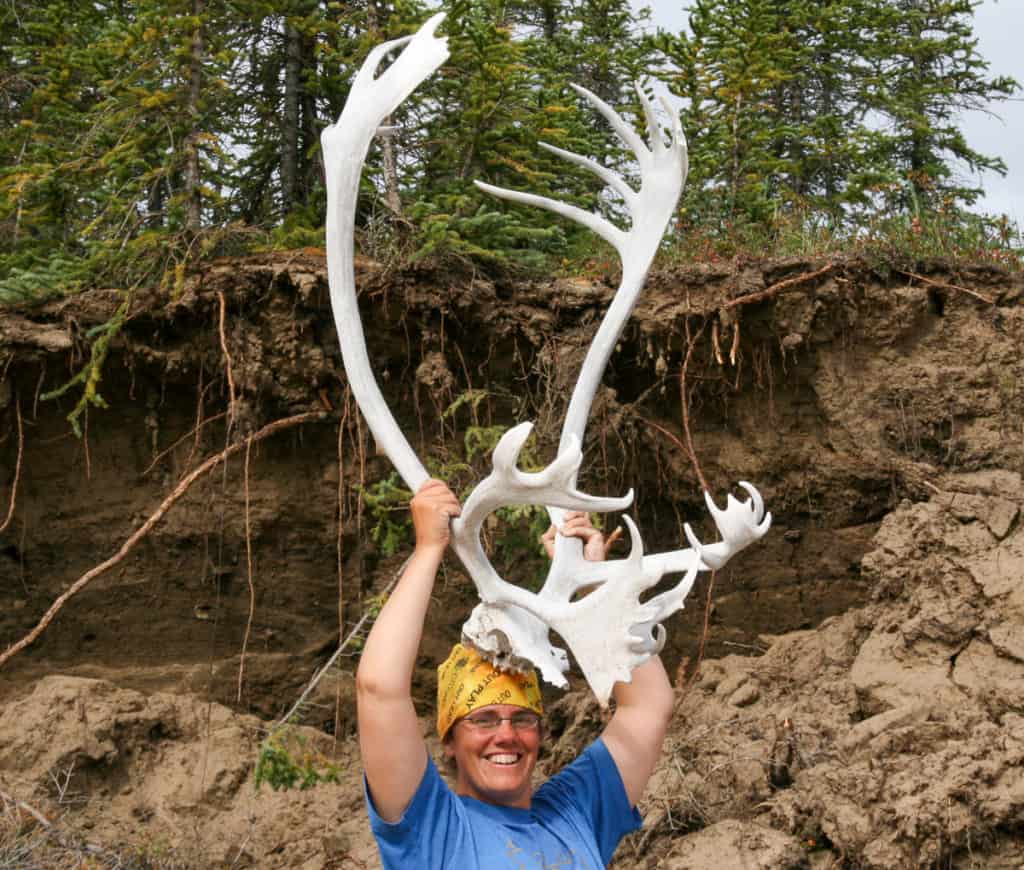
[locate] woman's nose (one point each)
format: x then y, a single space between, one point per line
505 730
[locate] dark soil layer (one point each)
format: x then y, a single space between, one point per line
879 413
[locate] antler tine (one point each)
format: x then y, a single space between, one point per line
653 125
553 485
607 231
626 133
664 605
757 503
612 179
345 145
368 71
678 137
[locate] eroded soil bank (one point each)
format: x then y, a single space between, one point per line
860 700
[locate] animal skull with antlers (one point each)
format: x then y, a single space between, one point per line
610 631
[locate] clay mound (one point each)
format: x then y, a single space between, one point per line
167 780
891 736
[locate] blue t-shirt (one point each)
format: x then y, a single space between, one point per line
575 822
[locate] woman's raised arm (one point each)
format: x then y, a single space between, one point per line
394 755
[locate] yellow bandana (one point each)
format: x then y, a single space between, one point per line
466 681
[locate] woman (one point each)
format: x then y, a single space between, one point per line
490 723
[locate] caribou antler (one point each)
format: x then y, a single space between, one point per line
610 631
508 633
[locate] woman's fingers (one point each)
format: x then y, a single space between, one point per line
579 527
437 493
432 507
548 540
611 539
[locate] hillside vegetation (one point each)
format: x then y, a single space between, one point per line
138 138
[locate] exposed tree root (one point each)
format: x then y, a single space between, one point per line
684 395
248 566
705 631
339 542
147 527
227 357
781 287
17 467
945 285
686 447
85 443
24 807
193 431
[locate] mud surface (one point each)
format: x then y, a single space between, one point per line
859 703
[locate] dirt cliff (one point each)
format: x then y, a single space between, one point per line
859 698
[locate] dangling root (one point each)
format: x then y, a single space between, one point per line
340 547
687 447
194 431
17 468
945 285
147 527
685 398
227 358
248 565
703 639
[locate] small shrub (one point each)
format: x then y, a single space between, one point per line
286 761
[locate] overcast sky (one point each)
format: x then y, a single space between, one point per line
999 26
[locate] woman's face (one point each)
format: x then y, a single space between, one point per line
494 766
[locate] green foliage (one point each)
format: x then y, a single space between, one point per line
387 502
517 547
299 230
91 373
954 234
922 76
506 89
36 282
118 137
138 138
827 113
286 761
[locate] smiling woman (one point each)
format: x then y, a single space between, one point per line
491 725
494 749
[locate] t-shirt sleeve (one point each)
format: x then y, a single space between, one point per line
593 785
424 827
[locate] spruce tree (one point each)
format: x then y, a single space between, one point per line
515 63
735 64
120 141
925 73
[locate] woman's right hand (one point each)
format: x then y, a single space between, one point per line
576 524
432 507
